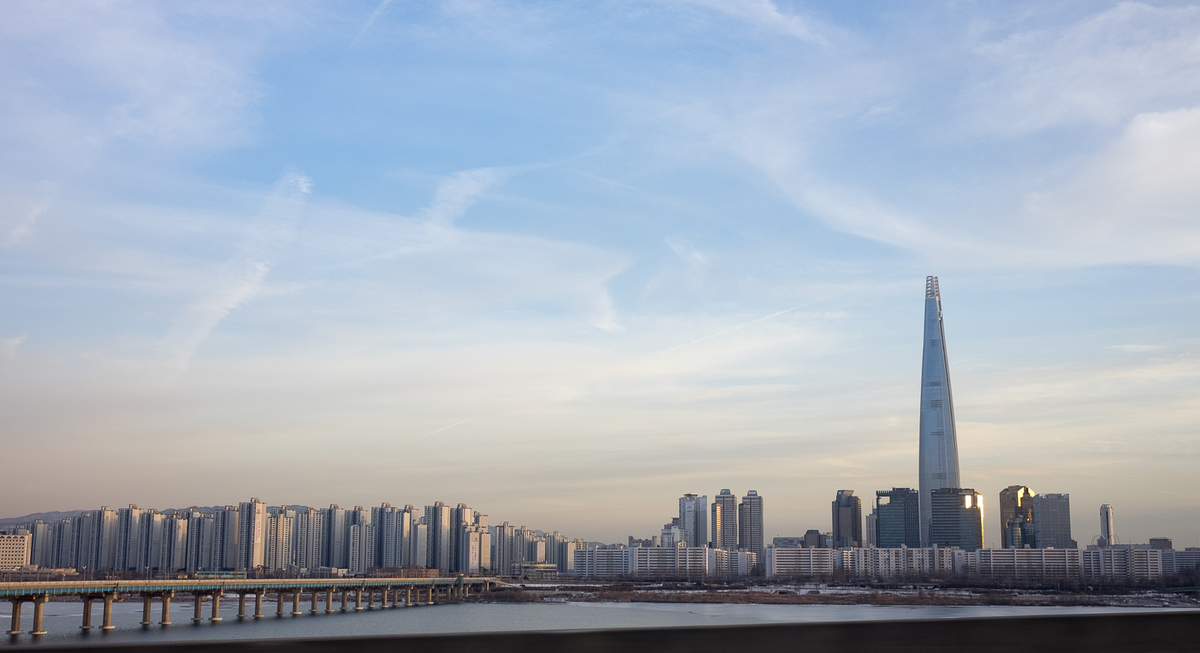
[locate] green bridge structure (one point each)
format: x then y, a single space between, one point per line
392 593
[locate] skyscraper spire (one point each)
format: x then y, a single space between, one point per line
939 441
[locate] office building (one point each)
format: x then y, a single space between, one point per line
1016 517
15 550
897 518
750 523
957 518
1108 530
847 520
724 521
1052 521
693 518
938 466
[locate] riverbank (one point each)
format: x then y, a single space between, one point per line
836 595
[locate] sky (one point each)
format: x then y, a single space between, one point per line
564 262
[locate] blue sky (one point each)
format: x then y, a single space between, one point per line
567 261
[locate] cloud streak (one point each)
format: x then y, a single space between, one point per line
240 279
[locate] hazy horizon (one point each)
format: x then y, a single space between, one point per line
567 262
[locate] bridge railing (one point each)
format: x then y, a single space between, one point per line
1134 632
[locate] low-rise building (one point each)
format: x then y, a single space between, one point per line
14 550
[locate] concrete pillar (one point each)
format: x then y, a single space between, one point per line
166 608
358 600
329 601
432 586
39 602
408 597
147 601
197 607
370 598
387 595
258 599
87 614
296 603
344 591
215 615
279 604
314 600
241 605
15 628
108 601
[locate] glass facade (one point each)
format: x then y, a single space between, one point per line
939 441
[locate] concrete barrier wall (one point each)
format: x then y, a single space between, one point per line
1110 633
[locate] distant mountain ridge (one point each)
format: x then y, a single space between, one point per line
57 516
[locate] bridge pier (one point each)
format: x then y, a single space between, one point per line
166 608
358 600
147 602
258 601
279 604
39 602
344 591
329 601
15 627
313 597
296 603
87 614
370 598
108 598
197 607
241 606
387 595
215 616
408 598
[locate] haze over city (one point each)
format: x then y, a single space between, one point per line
567 263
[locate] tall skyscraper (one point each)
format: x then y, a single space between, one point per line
750 523
847 520
897 518
1052 521
1016 517
1108 529
957 518
437 519
724 521
939 440
693 518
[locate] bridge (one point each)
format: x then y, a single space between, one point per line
392 593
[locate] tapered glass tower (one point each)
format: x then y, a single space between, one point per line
939 442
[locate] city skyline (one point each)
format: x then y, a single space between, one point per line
531 255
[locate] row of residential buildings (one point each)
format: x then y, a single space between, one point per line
1112 564
252 536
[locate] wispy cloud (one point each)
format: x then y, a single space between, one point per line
240 279
455 195
766 14
8 348
24 229
370 21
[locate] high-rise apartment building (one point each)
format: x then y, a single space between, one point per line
847 520
102 550
437 520
307 535
1016 517
127 530
150 535
897 518
173 548
278 545
1108 528
693 518
724 521
333 521
957 518
750 523
200 539
939 441
225 538
252 536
